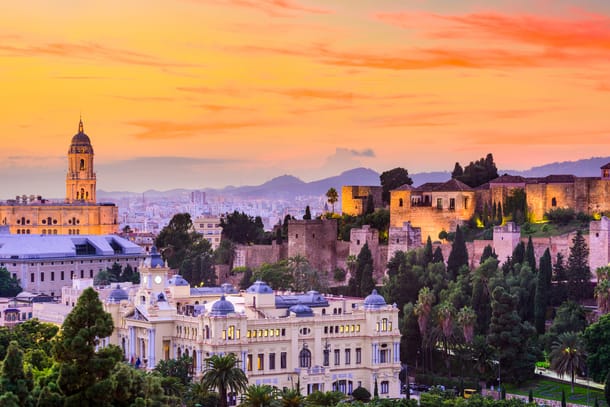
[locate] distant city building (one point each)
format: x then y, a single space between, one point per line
209 227
79 214
198 198
45 263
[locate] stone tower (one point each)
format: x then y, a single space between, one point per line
505 239
599 244
80 179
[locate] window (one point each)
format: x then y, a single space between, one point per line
31 277
385 387
348 356
283 363
42 276
260 361
326 357
452 203
62 276
337 357
465 202
272 361
554 202
358 356
439 203
400 203
305 358
52 276
384 356
249 363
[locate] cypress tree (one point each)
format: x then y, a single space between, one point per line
563 398
437 257
428 254
494 210
488 252
530 396
307 215
530 257
500 216
543 287
13 379
458 256
363 274
518 254
578 271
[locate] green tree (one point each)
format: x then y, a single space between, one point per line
393 179
332 197
180 368
477 172
488 252
9 286
437 257
467 318
361 394
597 342
458 256
84 372
543 288
13 379
225 253
174 240
370 205
530 257
362 283
428 253
324 399
277 275
225 376
242 228
291 398
568 355
197 266
578 272
307 215
458 171
260 396
607 389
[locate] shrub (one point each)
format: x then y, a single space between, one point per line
562 216
361 394
339 275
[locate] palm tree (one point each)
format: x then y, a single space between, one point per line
423 309
260 396
333 197
291 398
325 399
224 375
466 317
602 295
568 355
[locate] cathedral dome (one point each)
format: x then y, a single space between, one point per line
222 307
117 295
374 301
259 287
177 280
80 141
301 311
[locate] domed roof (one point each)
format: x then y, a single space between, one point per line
80 140
259 287
374 301
117 295
155 258
222 307
177 280
228 288
301 310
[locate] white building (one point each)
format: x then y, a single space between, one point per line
209 227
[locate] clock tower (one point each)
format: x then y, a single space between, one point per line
80 179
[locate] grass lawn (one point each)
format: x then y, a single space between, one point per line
552 229
551 390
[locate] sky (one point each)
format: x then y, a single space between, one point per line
209 93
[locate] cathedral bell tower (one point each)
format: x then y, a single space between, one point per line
80 179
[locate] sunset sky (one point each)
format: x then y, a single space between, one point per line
208 93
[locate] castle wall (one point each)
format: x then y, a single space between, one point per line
400 207
316 240
403 239
256 255
592 195
355 197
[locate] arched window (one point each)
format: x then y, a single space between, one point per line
305 357
82 164
554 202
82 193
400 202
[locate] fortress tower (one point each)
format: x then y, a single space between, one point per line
80 179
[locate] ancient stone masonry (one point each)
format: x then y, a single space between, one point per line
505 239
599 244
403 238
354 199
316 240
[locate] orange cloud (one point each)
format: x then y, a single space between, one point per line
273 8
92 51
159 130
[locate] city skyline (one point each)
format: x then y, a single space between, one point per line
233 92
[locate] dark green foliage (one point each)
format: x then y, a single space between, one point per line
380 220
481 293
246 279
578 272
277 275
530 257
488 252
561 216
225 252
175 238
510 337
224 375
563 398
13 379
559 290
437 257
197 267
477 172
180 368
376 389
324 399
361 394
515 206
543 288
117 274
518 256
241 228
393 179
9 286
339 275
597 342
607 388
458 256
428 254
332 196
458 171
530 396
307 215
84 373
363 277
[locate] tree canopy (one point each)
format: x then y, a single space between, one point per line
477 172
393 179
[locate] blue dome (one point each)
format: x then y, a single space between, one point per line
259 287
155 258
222 307
301 310
374 301
228 288
177 280
117 295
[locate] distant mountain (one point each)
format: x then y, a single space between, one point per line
288 186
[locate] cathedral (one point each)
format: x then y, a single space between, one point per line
79 214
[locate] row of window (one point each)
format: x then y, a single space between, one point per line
260 361
264 333
71 262
62 276
342 329
347 360
384 325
